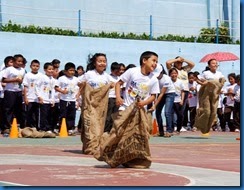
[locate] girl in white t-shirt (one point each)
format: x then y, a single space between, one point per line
212 74
179 98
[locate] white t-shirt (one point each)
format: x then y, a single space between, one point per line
1 88
166 82
12 72
183 76
237 93
192 96
95 79
208 75
30 81
112 90
138 85
46 91
179 87
229 101
71 84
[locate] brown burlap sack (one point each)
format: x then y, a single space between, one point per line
128 141
208 104
93 111
29 132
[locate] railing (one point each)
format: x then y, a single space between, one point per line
95 22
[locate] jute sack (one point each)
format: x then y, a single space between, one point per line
208 104
128 141
29 132
93 110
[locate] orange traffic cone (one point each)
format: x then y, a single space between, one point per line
63 130
14 132
155 127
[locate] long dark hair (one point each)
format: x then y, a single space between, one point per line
92 61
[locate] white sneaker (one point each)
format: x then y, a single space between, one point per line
237 130
183 129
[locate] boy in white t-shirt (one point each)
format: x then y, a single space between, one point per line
12 103
140 83
68 87
45 94
30 94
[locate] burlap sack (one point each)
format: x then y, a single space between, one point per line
208 104
93 111
128 141
29 132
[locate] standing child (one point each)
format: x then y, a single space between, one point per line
13 77
229 101
45 93
237 99
179 98
68 87
165 100
192 98
30 94
140 83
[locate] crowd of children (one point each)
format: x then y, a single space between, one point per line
42 99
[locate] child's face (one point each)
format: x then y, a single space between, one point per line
10 63
174 75
101 64
151 63
191 79
18 62
35 67
80 72
231 80
49 71
122 70
213 66
70 72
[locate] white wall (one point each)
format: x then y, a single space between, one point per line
76 49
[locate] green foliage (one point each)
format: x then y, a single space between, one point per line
207 35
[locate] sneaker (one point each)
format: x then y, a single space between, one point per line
183 129
71 133
194 129
167 135
56 131
237 130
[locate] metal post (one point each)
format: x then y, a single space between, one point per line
217 31
79 23
151 35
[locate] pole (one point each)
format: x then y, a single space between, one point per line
151 35
217 31
79 23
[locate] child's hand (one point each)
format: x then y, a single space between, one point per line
140 104
26 101
40 100
65 91
152 108
119 101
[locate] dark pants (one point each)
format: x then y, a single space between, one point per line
45 117
185 109
112 108
1 115
55 115
227 115
236 115
178 109
193 112
221 118
12 106
67 111
32 114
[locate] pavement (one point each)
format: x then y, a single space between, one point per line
185 160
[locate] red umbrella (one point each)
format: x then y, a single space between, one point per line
220 56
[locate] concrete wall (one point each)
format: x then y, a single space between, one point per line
76 49
179 17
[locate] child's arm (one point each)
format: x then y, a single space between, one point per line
25 95
63 91
119 100
12 80
163 90
182 97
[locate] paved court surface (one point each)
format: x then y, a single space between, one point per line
184 160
